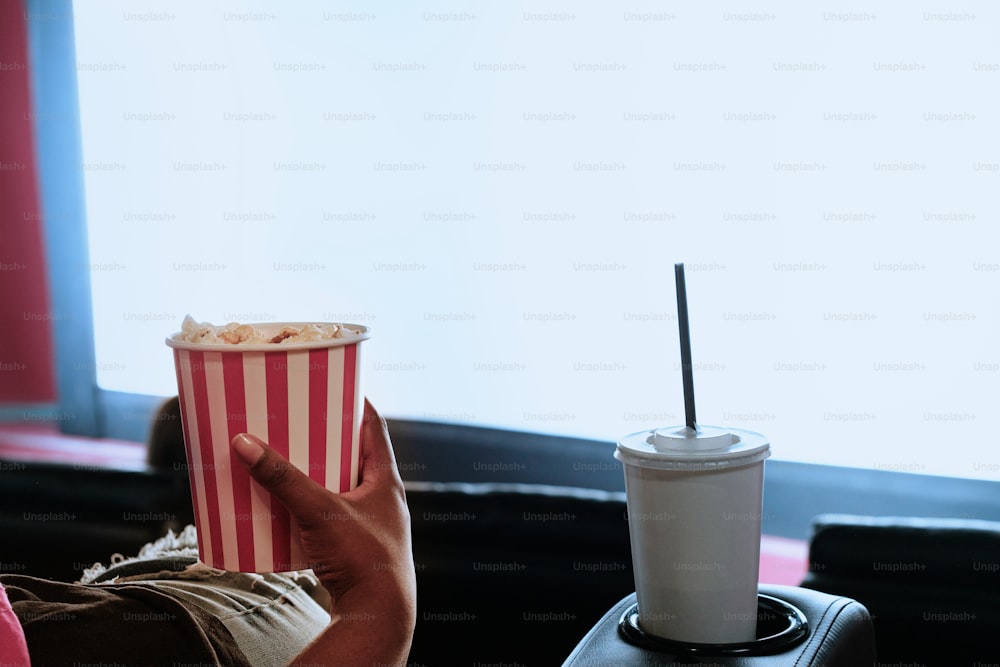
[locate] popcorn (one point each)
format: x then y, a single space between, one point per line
235 333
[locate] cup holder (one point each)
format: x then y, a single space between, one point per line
780 626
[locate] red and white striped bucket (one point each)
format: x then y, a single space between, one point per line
303 399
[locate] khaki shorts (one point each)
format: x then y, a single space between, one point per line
171 611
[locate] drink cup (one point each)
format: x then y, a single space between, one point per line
304 399
694 505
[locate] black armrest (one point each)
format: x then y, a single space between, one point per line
932 585
953 552
840 635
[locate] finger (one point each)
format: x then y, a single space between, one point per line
377 455
293 488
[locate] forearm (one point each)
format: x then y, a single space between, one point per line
367 628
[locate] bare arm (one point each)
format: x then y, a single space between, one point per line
358 544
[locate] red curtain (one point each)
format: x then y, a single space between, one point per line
26 351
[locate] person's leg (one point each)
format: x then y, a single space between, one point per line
271 617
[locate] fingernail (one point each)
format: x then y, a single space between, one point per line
248 448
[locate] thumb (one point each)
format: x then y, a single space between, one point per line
293 488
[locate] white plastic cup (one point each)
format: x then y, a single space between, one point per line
304 399
694 507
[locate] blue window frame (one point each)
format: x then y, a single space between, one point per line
82 407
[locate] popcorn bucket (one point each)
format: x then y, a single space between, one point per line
304 399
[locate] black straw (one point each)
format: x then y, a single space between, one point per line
687 370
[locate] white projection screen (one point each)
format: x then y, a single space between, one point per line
500 190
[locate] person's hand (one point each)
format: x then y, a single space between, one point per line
357 543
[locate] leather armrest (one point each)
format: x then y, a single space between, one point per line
952 552
932 585
840 635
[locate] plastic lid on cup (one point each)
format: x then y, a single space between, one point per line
685 449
